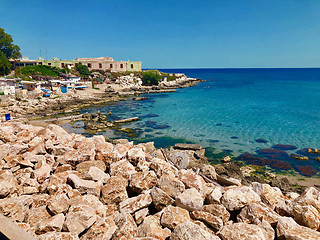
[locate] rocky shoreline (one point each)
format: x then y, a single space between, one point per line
56 185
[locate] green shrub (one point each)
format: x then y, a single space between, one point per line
151 77
1 93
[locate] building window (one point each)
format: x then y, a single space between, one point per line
111 65
62 65
100 65
40 63
121 65
131 65
49 64
89 65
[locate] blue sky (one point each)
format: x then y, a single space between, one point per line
169 33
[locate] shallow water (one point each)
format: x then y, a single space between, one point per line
229 112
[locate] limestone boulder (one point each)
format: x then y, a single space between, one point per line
218 211
59 235
84 186
269 195
161 167
256 210
173 216
311 196
97 174
42 171
190 231
190 199
102 229
126 226
136 155
208 171
6 188
141 181
307 216
122 168
160 199
238 197
171 185
140 215
91 201
238 231
79 218
84 167
133 204
284 207
287 228
192 180
16 207
54 223
151 228
215 222
214 195
114 191
58 203
7 135
35 216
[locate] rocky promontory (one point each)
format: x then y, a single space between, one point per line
56 185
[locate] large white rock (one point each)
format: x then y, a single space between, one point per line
190 199
238 197
84 186
191 231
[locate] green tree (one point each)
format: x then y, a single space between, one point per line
83 70
7 47
5 65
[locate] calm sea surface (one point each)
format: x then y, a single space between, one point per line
230 111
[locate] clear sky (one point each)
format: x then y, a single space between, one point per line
169 33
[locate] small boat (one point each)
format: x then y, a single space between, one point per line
80 87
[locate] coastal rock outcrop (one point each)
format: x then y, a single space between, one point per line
57 185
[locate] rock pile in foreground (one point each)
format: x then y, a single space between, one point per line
57 185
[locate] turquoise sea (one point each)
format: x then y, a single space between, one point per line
233 112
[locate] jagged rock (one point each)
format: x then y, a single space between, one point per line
32 158
42 171
192 180
7 136
172 186
58 203
160 198
292 195
287 228
214 195
311 196
140 215
135 155
237 198
151 228
218 211
226 159
63 168
307 216
173 216
40 200
29 186
114 191
162 167
238 231
180 159
190 231
142 181
133 204
38 149
79 218
36 215
59 235
208 171
190 199
84 167
102 229
54 223
285 207
257 210
91 201
15 207
126 226
84 186
269 195
122 168
6 188
215 222
98 175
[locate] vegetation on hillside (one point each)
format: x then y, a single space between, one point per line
83 70
42 70
151 77
7 50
